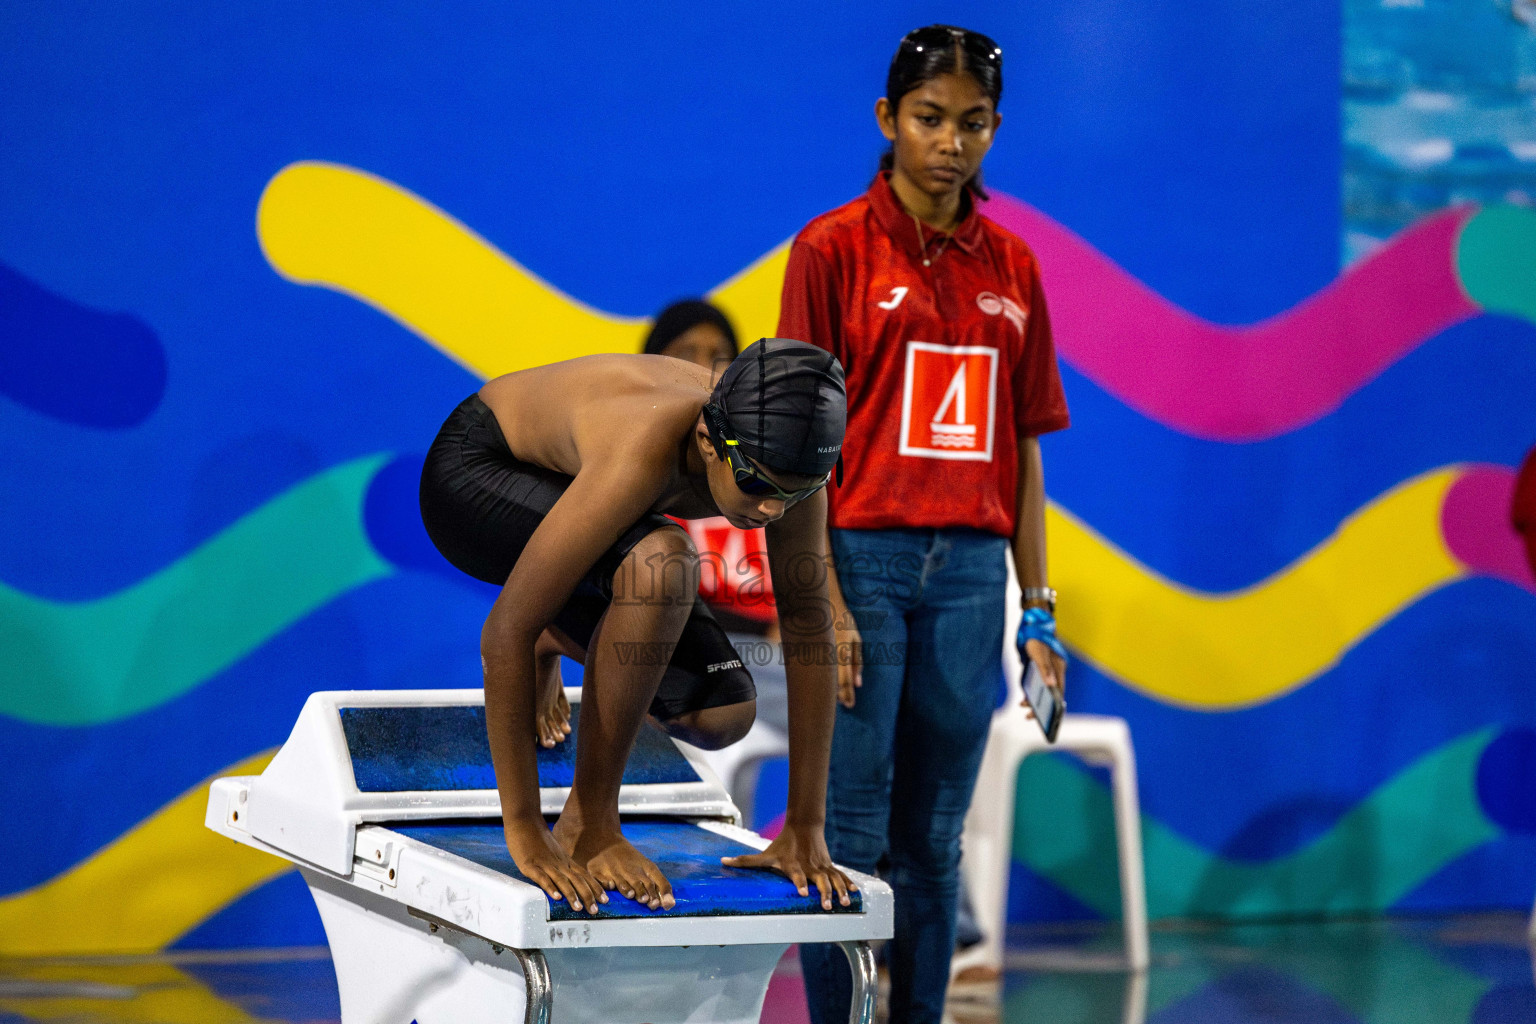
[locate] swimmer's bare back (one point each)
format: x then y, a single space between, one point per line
567 415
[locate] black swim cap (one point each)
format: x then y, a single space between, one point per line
786 404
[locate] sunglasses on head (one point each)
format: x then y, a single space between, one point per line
750 480
974 44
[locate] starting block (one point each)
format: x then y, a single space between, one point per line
386 801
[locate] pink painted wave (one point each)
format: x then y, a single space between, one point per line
1253 382
785 1000
1475 521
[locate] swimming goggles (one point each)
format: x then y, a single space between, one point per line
749 478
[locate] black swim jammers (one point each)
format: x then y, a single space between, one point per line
480 505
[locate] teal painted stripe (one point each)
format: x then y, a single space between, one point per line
1413 825
85 663
1496 260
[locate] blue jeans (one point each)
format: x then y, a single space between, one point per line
929 608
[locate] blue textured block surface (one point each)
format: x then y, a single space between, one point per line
445 748
688 855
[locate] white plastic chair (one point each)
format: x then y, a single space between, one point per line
987 841
735 766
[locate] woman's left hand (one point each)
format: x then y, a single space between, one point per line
800 855
1052 666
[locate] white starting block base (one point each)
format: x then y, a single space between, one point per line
392 965
386 803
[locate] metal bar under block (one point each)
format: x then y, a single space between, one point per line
865 982
540 995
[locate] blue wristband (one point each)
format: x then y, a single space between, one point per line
1039 624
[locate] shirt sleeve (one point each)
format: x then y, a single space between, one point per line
1039 404
808 308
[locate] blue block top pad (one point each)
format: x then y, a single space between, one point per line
445 748
688 855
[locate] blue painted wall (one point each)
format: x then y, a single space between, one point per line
159 381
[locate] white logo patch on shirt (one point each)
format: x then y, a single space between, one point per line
948 401
992 305
897 294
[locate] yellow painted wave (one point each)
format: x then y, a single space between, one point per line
142 891
1223 651
341 228
325 224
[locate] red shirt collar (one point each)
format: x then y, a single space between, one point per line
902 227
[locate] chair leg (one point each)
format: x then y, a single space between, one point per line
1134 1008
1133 885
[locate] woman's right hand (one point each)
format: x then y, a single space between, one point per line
850 668
542 861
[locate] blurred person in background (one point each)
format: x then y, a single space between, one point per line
695 331
938 317
1523 514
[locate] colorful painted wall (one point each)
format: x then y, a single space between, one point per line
249 259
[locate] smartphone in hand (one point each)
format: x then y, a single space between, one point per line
1045 701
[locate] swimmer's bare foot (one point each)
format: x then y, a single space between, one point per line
552 720
543 862
616 864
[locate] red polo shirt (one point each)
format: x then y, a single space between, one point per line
948 363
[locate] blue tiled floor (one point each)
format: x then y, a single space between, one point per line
1475 969
1472 969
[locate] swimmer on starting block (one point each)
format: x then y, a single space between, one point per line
555 483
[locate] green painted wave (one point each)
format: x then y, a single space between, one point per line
1389 843
1496 260
85 663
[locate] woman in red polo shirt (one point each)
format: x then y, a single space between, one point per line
939 320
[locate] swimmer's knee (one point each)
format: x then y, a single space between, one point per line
664 565
714 728
665 542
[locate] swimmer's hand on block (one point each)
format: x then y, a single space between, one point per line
800 854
